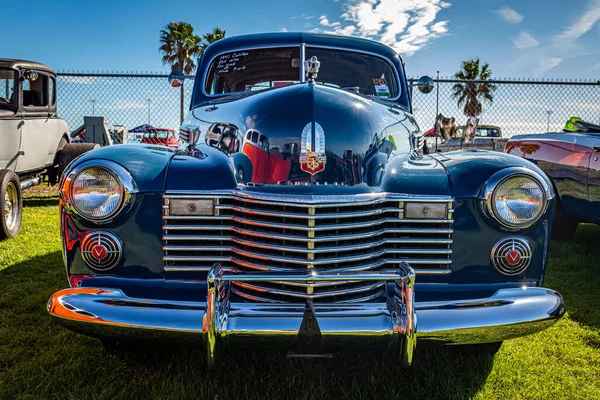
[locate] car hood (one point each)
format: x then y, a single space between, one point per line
269 137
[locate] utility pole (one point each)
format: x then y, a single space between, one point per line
93 101
548 127
437 110
149 101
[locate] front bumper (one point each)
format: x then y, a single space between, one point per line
220 323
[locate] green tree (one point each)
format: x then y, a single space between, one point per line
211 37
179 46
470 95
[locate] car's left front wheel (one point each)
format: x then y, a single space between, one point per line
11 207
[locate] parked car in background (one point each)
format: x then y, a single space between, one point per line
571 160
486 137
34 141
347 236
161 136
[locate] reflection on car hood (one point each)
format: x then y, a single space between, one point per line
306 134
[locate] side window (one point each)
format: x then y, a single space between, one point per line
35 93
255 137
51 91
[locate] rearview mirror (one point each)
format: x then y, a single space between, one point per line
176 78
425 84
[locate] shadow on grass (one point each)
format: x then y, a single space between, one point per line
41 359
40 201
574 271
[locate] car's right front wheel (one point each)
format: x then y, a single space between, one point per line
11 204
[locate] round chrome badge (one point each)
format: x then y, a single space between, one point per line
101 250
511 255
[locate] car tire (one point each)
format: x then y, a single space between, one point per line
564 226
53 174
11 205
70 152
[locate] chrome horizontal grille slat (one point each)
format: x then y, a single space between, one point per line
305 239
275 233
336 292
369 213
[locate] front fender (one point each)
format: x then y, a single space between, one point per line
207 169
147 164
468 170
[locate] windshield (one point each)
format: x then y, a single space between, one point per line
255 69
7 87
258 69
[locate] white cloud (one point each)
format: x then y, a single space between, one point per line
547 63
406 26
509 15
283 30
580 27
525 41
595 67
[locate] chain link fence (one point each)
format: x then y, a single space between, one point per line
517 107
136 100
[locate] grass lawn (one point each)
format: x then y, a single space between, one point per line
39 359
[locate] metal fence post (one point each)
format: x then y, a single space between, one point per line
181 100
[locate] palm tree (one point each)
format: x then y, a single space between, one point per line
211 37
471 94
180 47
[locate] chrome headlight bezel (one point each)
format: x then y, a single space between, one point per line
126 183
500 177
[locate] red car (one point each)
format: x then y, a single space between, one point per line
161 136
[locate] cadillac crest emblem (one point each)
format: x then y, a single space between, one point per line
312 149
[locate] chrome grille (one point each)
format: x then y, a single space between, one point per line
332 233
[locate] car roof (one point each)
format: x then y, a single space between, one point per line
291 38
24 64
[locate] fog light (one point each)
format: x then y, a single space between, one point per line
191 207
426 211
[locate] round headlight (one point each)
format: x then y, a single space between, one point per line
97 193
517 201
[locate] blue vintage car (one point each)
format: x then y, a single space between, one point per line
300 213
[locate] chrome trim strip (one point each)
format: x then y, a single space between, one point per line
267 235
300 200
325 261
304 250
245 221
259 267
314 296
416 261
270 213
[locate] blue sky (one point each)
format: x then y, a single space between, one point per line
533 38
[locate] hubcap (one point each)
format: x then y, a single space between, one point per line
11 206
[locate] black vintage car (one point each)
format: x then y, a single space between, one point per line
301 213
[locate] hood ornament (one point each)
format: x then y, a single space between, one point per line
311 67
312 149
